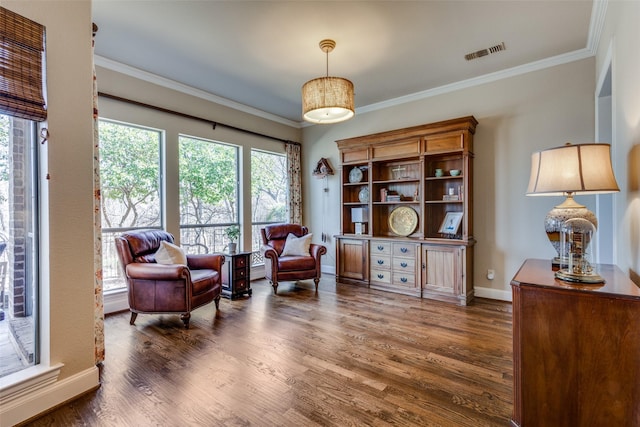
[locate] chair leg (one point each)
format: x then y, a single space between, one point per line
217 302
275 287
316 280
185 319
132 321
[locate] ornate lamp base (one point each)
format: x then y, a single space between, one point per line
553 225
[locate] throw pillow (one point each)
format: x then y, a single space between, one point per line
297 246
169 253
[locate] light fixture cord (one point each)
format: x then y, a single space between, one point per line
327 53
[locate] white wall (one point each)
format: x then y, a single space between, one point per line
619 41
67 297
516 116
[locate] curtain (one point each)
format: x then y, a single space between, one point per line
97 225
294 178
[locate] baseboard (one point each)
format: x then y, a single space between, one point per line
329 269
490 293
116 301
29 405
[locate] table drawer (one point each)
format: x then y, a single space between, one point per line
240 261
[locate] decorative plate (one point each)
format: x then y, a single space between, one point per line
355 175
403 220
363 195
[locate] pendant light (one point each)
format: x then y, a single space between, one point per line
327 99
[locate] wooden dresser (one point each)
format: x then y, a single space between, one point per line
576 349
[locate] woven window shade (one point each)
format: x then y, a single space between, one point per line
21 67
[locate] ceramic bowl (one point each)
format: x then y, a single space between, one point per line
454 172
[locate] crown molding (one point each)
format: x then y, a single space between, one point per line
576 55
189 90
598 14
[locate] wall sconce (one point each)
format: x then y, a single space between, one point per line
360 216
570 170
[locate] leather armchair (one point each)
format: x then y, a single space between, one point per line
161 288
291 267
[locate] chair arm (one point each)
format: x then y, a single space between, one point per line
269 252
317 251
151 271
205 261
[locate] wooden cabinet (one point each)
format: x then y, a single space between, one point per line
410 183
576 349
353 261
236 275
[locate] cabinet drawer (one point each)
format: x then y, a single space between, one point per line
444 143
397 149
403 279
355 155
404 250
380 262
380 276
404 265
241 273
380 248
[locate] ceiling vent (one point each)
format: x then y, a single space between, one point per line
485 52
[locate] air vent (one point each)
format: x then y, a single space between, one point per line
485 52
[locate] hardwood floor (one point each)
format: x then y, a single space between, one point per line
346 356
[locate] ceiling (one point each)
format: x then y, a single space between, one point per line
260 53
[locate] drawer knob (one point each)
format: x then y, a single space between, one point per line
380 262
404 250
403 279
380 247
380 276
403 264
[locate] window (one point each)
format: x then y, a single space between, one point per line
18 245
208 193
268 193
130 166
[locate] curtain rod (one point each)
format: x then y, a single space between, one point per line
213 123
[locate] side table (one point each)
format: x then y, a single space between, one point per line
576 349
236 270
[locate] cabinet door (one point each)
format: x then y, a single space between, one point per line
353 259
443 272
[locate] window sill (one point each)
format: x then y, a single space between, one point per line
27 381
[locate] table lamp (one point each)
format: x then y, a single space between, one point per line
566 171
360 216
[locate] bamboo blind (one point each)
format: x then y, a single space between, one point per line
21 67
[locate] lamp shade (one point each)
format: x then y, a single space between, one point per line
576 169
359 215
327 100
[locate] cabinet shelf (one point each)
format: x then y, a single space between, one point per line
397 181
400 202
439 202
437 178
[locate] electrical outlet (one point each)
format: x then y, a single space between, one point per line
491 274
